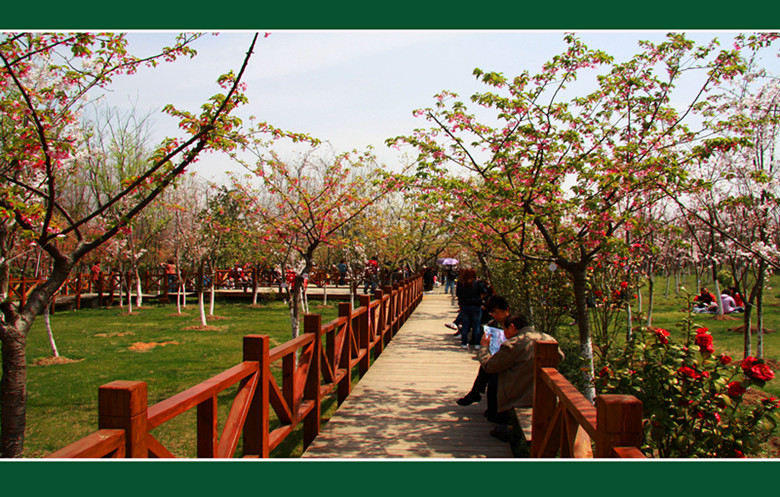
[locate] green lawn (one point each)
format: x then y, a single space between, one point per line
110 345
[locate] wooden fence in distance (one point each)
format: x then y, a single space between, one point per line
314 365
105 287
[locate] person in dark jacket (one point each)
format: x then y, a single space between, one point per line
427 279
469 292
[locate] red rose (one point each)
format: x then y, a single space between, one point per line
704 341
739 454
699 331
689 372
735 389
760 372
748 363
662 335
724 359
623 284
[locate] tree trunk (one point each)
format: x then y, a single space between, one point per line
651 299
629 322
128 285
211 296
295 307
747 324
760 310
13 390
201 304
717 290
579 277
49 333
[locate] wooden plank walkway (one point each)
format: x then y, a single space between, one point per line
404 406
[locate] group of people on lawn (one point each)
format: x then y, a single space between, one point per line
730 301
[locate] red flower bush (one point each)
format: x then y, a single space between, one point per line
693 401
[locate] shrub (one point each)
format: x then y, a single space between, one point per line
692 398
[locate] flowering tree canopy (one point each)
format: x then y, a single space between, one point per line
46 80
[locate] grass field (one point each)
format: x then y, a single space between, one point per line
170 353
167 350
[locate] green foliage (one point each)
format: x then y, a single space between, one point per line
725 278
692 399
532 288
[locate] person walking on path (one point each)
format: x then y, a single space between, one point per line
449 280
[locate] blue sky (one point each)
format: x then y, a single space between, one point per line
353 88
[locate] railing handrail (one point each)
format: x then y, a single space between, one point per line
125 420
564 422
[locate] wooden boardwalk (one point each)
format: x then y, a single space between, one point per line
404 406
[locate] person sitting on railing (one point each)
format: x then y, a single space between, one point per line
514 364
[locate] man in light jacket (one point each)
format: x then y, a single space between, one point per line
514 364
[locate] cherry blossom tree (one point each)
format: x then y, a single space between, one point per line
305 203
572 169
45 82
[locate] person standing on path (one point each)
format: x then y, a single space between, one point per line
469 292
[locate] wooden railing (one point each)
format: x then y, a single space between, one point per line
107 284
566 424
313 365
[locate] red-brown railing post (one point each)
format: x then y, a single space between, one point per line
312 323
397 307
122 405
363 335
619 423
545 356
345 384
207 429
256 428
378 322
387 320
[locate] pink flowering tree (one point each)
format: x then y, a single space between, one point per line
304 204
44 80
745 211
568 169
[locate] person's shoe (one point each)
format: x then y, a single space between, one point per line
457 334
477 347
465 346
502 435
451 326
469 399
